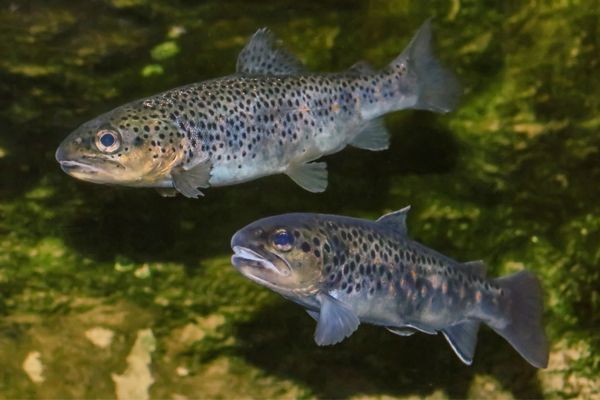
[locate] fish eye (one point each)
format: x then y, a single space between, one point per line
107 141
283 240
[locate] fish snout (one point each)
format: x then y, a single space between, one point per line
60 154
238 239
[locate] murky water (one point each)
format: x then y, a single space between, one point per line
109 291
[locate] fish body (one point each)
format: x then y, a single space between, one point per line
270 117
346 271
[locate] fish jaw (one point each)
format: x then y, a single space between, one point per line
129 170
264 270
87 168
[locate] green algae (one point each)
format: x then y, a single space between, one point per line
510 177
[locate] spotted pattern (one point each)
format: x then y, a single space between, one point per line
264 119
249 126
367 262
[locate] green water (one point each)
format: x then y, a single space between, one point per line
511 177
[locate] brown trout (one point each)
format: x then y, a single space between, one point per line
271 116
346 271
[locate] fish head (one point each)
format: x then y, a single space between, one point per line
132 145
281 253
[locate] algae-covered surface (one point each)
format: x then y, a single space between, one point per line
108 291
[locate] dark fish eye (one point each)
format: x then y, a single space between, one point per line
107 141
283 240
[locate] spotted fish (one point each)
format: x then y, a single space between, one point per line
270 117
346 271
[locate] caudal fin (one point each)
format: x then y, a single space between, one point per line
522 302
437 89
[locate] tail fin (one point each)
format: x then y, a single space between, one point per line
522 302
437 88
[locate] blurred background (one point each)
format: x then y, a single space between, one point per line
108 291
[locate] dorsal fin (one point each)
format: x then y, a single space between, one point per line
476 268
261 56
396 220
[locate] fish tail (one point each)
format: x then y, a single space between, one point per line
436 88
522 304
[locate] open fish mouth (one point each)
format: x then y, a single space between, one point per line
252 263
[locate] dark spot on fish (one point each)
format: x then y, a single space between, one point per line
316 241
317 253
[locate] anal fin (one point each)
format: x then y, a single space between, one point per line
373 136
462 337
311 176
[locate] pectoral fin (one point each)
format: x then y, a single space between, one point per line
463 338
336 321
187 180
313 314
311 176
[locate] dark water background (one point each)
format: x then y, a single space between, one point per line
512 177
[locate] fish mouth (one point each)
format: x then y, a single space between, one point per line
85 167
71 166
258 267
